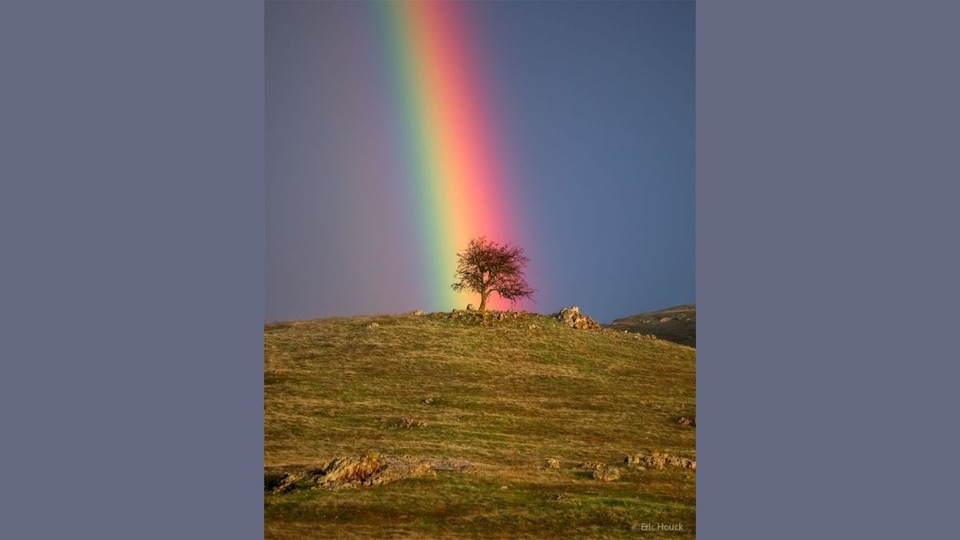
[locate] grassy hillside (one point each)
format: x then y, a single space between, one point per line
677 324
514 428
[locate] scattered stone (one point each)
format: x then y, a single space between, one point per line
469 307
427 401
572 317
666 319
533 327
552 464
418 312
606 474
373 325
408 423
684 421
660 461
601 471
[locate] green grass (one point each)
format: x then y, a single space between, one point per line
501 395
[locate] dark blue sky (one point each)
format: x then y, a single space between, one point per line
595 112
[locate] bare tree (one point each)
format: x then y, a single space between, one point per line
486 267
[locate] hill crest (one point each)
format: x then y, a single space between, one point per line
677 324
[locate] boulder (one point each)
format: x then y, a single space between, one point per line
605 473
572 317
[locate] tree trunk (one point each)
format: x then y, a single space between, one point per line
483 300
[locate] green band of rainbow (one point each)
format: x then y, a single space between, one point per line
449 142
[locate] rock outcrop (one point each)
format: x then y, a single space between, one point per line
572 317
371 469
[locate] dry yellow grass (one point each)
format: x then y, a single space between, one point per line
506 396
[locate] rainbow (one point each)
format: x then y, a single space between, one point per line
448 137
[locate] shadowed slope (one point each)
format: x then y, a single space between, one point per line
677 324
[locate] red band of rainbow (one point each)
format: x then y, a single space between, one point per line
450 141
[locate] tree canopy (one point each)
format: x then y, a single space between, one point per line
486 267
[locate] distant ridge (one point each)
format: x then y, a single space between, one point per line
677 324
